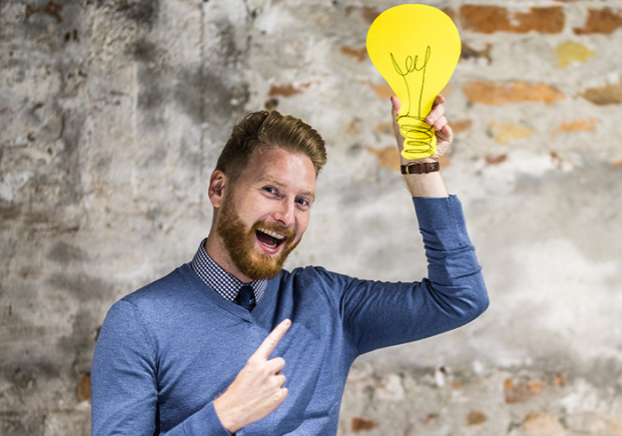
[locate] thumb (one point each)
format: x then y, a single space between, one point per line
396 104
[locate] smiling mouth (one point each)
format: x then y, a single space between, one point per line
269 238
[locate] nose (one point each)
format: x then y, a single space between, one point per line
284 215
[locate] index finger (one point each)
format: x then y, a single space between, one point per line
269 344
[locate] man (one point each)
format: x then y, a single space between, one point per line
231 343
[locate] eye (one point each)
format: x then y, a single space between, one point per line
269 189
303 202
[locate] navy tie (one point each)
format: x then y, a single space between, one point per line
246 298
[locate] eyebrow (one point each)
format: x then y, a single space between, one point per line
283 185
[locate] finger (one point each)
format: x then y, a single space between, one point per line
440 123
396 104
435 114
446 134
281 395
276 365
280 380
269 344
439 100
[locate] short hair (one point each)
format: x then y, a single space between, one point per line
263 129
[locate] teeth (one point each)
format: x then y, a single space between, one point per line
271 233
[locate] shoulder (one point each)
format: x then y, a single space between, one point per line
315 277
161 297
310 272
171 286
158 302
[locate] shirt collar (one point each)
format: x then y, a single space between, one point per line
214 276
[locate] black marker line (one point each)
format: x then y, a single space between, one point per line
418 134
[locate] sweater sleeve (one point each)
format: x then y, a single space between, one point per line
124 382
379 314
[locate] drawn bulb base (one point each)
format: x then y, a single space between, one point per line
419 137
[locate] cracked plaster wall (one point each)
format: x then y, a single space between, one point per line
111 118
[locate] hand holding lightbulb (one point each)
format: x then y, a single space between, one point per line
435 119
416 49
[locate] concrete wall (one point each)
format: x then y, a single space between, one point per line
111 117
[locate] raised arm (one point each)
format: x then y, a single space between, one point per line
378 314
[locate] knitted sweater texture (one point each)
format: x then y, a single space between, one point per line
166 351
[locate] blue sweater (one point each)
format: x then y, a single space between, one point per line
168 350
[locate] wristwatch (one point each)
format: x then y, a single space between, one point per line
420 168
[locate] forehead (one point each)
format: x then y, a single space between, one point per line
279 165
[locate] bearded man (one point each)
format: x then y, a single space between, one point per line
231 343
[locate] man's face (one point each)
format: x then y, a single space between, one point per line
266 212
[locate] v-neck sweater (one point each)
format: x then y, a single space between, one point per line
166 351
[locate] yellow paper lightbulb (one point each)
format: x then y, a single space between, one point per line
416 49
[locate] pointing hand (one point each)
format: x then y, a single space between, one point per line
258 388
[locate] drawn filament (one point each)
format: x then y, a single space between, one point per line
419 137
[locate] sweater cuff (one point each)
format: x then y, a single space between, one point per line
439 213
208 423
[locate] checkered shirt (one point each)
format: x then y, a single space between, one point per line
220 280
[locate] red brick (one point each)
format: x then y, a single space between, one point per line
286 90
450 13
495 159
383 91
490 19
385 128
460 126
543 424
604 95
429 418
491 93
369 13
583 124
475 417
83 389
388 157
522 390
357 54
604 21
362 424
468 52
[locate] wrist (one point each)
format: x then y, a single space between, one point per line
429 185
225 415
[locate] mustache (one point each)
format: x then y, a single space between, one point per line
288 232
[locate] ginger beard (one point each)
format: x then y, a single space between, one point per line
239 242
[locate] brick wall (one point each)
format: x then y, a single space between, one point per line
112 115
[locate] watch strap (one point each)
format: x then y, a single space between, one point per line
420 168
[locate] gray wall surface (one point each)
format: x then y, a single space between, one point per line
112 114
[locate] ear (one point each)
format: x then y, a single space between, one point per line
218 183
